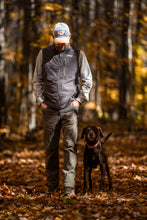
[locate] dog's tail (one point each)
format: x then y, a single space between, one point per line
106 137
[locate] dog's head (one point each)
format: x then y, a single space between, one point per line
92 134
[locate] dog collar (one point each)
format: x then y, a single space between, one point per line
94 146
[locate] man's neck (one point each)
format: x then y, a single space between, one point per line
63 48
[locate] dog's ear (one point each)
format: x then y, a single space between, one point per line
100 132
83 132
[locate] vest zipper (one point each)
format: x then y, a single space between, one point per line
58 83
64 68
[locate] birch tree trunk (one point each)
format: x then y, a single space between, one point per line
3 109
35 23
132 40
24 67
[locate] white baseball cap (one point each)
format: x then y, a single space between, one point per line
61 33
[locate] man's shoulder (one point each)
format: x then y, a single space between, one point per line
80 52
48 53
50 47
75 49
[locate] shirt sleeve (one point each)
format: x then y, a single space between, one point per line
85 77
38 79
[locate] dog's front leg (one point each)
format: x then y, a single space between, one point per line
90 180
109 177
87 173
85 180
102 180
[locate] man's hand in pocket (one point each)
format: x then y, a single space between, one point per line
43 105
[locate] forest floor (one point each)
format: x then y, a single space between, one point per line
23 183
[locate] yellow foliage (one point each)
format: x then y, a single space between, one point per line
100 113
66 16
145 89
34 44
12 56
141 77
113 66
114 94
53 7
45 37
19 55
139 97
144 42
13 15
19 84
106 115
111 42
3 130
9 55
90 105
127 14
140 69
58 12
145 18
139 117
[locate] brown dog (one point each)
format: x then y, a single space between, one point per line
94 154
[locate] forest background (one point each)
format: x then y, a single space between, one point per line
113 34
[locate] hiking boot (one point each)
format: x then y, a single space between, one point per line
51 190
69 191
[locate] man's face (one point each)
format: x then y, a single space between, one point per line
61 46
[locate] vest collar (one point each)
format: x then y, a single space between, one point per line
66 48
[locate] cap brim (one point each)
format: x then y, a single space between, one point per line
62 40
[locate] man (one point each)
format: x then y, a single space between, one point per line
56 86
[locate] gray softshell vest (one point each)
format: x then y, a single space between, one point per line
60 76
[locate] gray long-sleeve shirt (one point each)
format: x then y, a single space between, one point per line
85 78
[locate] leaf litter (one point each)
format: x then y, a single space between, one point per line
23 184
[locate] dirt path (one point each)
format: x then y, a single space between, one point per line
23 184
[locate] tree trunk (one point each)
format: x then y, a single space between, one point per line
24 70
75 26
132 39
36 12
124 67
98 33
3 109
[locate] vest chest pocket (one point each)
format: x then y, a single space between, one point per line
70 67
51 69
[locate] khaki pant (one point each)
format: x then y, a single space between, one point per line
53 121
